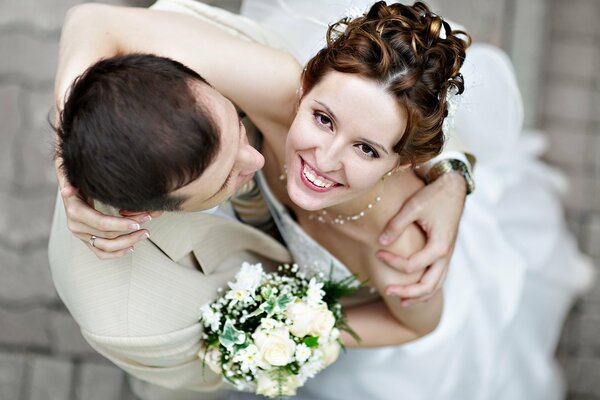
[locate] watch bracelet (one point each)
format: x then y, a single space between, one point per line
451 165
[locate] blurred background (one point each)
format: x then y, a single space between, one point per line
553 44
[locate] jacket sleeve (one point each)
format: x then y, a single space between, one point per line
167 360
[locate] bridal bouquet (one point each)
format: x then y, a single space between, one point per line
270 332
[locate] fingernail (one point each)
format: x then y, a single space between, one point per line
146 218
130 250
145 236
406 303
391 292
134 227
384 239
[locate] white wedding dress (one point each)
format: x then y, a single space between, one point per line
515 272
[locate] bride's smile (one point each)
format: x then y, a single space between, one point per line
342 142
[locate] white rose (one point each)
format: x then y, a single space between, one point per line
270 388
301 315
307 320
330 352
275 348
212 358
267 386
322 322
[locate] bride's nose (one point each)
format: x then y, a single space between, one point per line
328 157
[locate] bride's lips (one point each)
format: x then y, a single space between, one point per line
317 182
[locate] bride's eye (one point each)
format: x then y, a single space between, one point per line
323 120
366 151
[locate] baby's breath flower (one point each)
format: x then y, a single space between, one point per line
314 294
302 353
210 318
247 358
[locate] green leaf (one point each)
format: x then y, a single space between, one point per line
311 341
269 305
231 336
283 301
265 292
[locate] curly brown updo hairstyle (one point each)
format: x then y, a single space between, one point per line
413 54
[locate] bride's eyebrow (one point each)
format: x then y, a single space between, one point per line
327 109
374 144
368 141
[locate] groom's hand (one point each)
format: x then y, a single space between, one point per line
437 209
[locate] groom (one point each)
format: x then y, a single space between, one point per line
146 133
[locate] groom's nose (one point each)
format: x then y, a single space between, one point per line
251 160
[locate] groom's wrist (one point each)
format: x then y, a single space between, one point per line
453 167
449 162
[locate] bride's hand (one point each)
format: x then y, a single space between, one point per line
437 209
115 236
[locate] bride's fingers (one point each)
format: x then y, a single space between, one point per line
119 244
79 212
103 255
84 232
68 191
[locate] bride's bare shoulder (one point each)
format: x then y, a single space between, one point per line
399 188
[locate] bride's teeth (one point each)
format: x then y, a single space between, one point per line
314 178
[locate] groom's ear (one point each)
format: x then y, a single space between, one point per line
139 216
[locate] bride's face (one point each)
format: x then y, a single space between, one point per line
341 141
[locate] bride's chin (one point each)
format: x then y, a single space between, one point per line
303 201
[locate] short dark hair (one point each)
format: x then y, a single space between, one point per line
132 131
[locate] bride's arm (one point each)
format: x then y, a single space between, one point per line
260 80
388 322
376 326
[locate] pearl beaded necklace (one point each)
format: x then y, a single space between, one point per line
324 217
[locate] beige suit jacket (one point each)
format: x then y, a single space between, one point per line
141 311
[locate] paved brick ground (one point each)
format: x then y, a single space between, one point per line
42 353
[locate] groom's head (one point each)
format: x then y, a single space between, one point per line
142 132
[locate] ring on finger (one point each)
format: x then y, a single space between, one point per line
93 240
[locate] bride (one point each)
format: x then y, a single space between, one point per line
513 259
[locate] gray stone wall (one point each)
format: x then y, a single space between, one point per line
42 353
570 114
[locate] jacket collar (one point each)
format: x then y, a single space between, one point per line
211 239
